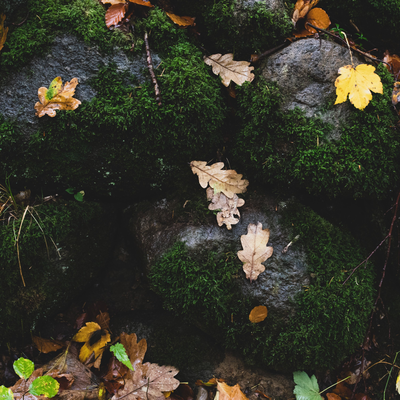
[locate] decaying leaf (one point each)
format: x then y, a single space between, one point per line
396 93
392 59
229 70
255 250
227 392
135 350
115 14
258 314
20 389
333 396
317 17
228 207
357 83
3 31
301 8
227 181
148 381
47 345
183 21
57 97
94 338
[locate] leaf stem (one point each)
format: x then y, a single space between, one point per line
322 391
390 372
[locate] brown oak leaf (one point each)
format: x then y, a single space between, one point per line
227 392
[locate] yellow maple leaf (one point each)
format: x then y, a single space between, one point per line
94 338
357 83
56 97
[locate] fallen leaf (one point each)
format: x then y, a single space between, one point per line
229 70
115 14
135 350
301 8
94 339
396 93
357 84
211 382
258 314
398 383
6 393
306 388
317 17
227 392
392 59
184 391
47 345
44 385
227 181
342 390
115 377
20 389
103 319
148 381
183 21
142 3
120 353
3 31
57 97
255 250
65 380
333 396
228 207
113 2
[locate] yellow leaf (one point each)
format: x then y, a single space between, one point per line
398 383
227 392
255 250
357 84
258 314
229 70
3 31
57 97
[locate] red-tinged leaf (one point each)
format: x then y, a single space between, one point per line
115 14
142 3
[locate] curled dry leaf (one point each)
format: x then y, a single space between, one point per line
392 59
357 83
227 392
258 314
47 345
255 250
183 21
148 381
227 181
57 97
115 14
301 8
229 70
3 31
228 207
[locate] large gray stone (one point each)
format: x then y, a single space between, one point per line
68 57
305 73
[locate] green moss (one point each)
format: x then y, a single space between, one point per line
364 162
330 320
122 142
80 232
46 19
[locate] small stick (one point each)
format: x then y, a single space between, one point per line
151 70
256 58
22 21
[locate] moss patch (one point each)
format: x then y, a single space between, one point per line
364 162
331 318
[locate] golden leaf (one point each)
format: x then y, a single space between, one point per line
181 21
255 250
229 70
95 339
357 84
258 314
398 383
228 207
57 97
227 181
3 31
227 392
317 17
113 2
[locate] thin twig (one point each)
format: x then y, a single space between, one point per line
22 21
256 58
151 70
17 242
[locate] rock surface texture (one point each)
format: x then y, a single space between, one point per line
68 57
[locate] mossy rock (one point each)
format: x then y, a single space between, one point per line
314 320
61 246
289 150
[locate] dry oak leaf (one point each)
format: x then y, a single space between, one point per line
47 345
95 339
183 21
3 31
301 8
258 314
227 392
229 70
148 381
228 207
227 181
357 83
57 97
255 250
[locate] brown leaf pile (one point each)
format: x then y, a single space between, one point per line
255 250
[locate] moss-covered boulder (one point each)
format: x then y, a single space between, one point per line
313 321
61 245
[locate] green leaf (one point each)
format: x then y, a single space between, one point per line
5 393
119 351
54 88
23 367
306 388
70 190
44 385
79 196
